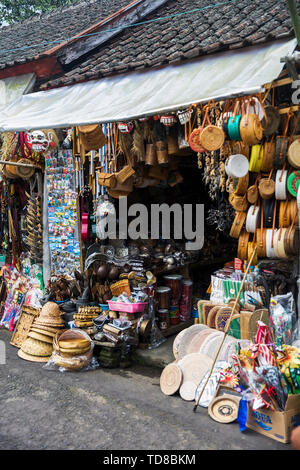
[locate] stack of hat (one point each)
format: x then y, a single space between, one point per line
73 349
85 316
38 345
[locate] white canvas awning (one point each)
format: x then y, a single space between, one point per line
137 94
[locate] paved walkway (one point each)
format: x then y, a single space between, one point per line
107 410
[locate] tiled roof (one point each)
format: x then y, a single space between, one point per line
42 30
178 36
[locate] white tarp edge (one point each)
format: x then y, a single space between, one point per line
138 94
13 87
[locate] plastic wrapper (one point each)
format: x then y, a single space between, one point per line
67 362
156 337
283 319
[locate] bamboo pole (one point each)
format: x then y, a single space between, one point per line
27 165
226 328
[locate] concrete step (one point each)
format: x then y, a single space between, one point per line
158 357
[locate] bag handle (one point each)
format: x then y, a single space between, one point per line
291 227
273 225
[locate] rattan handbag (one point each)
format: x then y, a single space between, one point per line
266 187
237 225
268 156
250 128
239 203
242 252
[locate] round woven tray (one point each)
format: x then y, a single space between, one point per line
198 340
194 366
187 391
187 337
171 379
211 344
176 343
224 409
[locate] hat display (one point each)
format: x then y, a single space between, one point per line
36 348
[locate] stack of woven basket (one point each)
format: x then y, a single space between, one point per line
73 349
38 345
84 317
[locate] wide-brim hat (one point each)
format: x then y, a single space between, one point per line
47 327
50 309
40 336
29 357
35 347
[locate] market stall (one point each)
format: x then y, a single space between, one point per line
87 278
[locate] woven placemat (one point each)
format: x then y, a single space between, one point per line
171 379
194 366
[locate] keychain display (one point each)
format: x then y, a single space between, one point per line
62 215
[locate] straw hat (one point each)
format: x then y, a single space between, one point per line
29 357
40 337
50 309
171 379
34 347
44 331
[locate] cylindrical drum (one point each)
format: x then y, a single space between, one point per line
163 297
185 305
163 319
174 315
174 281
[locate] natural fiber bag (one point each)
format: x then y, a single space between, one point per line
124 174
107 179
268 156
251 129
237 225
239 203
252 194
266 187
243 245
91 137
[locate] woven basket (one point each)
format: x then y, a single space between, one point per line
119 287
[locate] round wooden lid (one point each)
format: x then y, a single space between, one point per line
171 379
224 409
194 366
187 390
